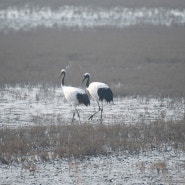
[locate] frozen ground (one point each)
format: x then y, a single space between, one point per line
30 17
164 167
20 106
33 105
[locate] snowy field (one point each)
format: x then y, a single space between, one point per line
154 167
29 17
145 38
32 105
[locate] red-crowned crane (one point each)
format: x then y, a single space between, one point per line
74 95
99 92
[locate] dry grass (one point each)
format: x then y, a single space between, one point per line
145 60
160 166
65 141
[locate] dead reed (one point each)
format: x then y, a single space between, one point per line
65 141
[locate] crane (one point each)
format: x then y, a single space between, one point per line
99 91
75 96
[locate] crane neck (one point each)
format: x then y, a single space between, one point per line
87 82
63 77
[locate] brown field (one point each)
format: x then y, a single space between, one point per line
79 141
146 60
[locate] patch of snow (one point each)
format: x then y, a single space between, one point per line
21 106
154 167
28 17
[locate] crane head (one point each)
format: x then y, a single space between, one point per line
63 72
86 76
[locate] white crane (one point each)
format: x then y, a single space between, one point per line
74 95
99 92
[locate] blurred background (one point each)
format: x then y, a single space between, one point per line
135 46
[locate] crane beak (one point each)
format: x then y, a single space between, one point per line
60 75
83 80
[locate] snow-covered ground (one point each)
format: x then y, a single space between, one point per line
23 106
28 17
164 167
28 105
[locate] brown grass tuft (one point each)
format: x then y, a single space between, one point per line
160 166
59 141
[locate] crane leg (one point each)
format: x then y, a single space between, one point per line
100 109
101 119
73 117
91 117
78 115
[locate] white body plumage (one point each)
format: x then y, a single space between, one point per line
70 93
99 92
74 95
93 89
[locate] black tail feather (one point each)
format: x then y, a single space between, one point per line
105 94
83 99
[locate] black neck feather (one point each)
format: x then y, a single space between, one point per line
63 78
87 82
